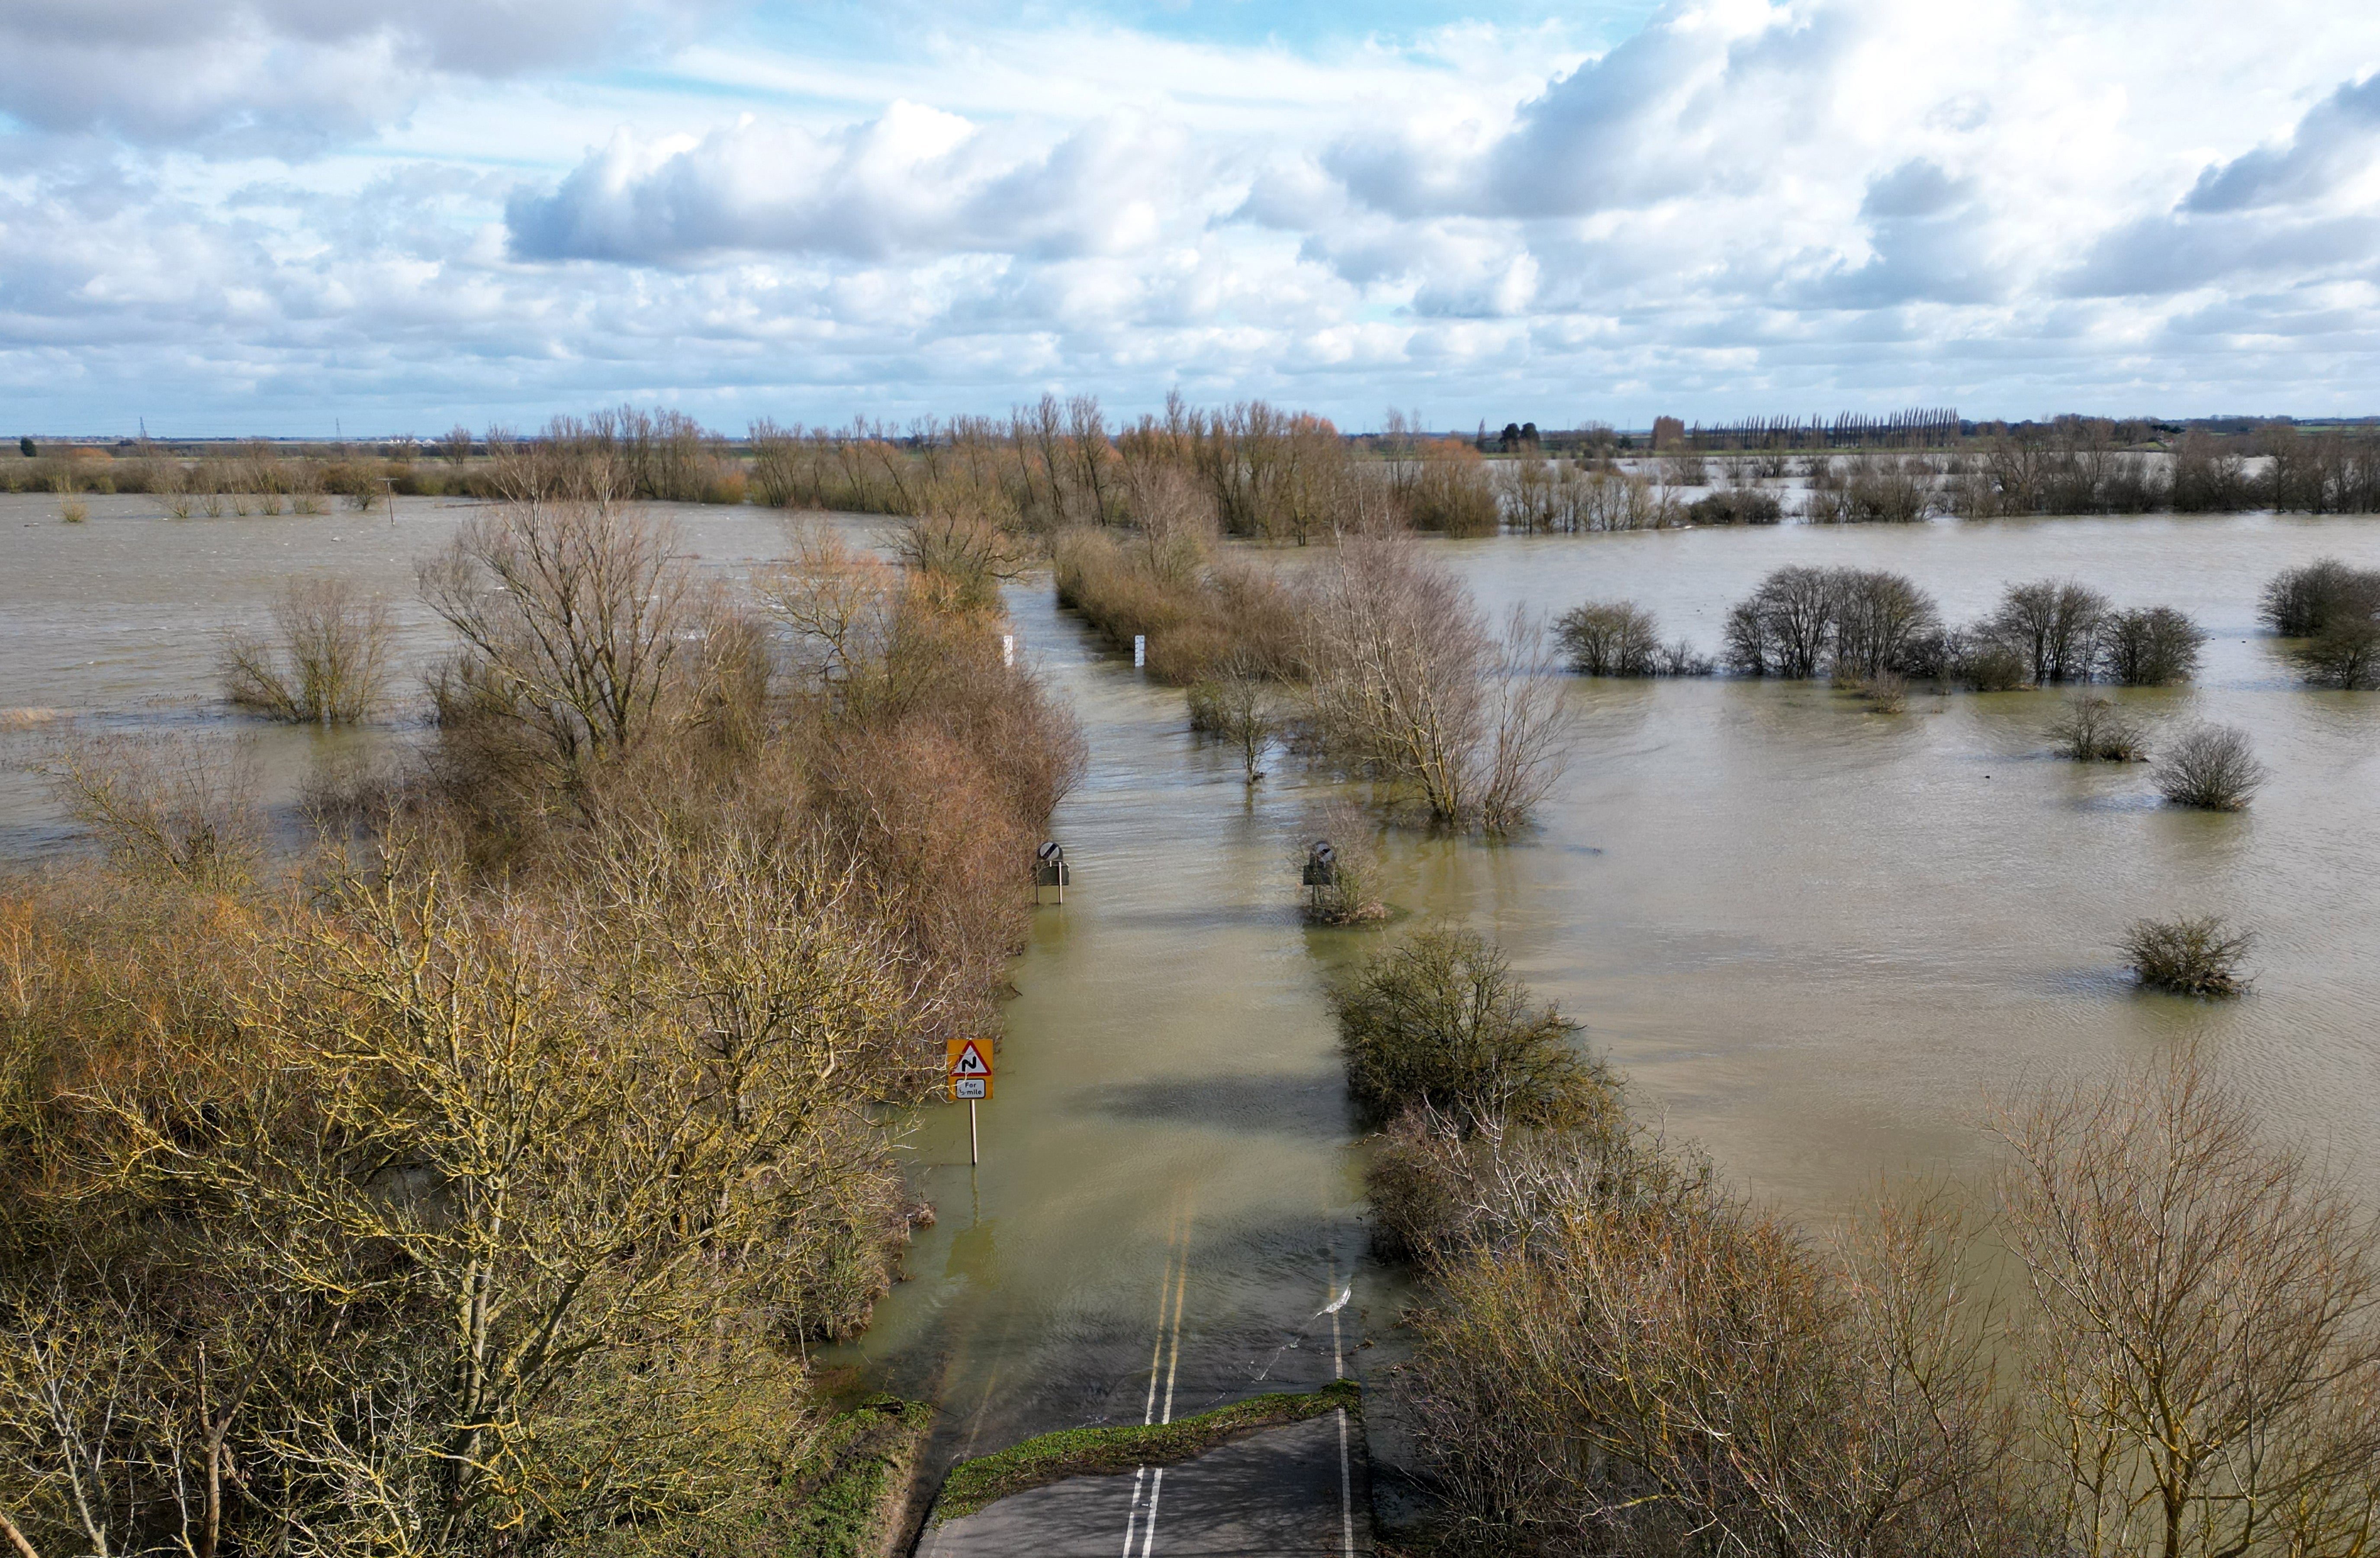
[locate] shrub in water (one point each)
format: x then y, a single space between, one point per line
2199 956
2299 601
1888 691
2345 653
1737 506
2093 730
2156 646
1440 1020
2211 767
1609 638
1682 659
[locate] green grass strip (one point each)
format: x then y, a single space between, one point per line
1091 1452
847 1489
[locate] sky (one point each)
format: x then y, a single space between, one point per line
302 217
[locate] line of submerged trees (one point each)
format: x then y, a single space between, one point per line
1284 476
1266 472
477 1183
1861 627
1376 663
1618 1355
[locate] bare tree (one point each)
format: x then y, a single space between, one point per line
1879 618
1784 629
839 601
2055 624
1610 638
1527 740
2156 646
962 554
2206 1358
570 615
2093 730
169 809
1409 682
1240 705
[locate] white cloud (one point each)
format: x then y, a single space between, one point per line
912 182
286 76
2015 205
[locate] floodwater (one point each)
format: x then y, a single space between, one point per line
1819 939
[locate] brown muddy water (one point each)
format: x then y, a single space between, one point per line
1817 939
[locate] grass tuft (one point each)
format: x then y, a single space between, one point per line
1091 1452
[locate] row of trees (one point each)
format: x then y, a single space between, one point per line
1918 428
475 1183
1853 624
1261 471
1376 663
1617 1354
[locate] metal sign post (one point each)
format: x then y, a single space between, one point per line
1051 874
1322 867
969 1065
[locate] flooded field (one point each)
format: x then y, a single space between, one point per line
1818 938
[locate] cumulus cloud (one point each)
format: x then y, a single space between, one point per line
2334 142
2304 211
913 182
2014 205
283 74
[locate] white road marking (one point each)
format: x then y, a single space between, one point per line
1346 1475
1177 1278
1148 1532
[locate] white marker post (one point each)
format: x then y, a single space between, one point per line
1139 651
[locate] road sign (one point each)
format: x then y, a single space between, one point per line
968 1061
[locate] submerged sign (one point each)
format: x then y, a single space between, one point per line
969 1063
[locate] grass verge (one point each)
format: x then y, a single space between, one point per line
844 1500
1090 1452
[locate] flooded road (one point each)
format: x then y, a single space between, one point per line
1818 938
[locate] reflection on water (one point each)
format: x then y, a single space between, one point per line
1818 938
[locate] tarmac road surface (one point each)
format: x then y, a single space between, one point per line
1287 1490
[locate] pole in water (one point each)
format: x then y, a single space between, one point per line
975 1142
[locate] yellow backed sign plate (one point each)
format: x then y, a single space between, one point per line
969 1063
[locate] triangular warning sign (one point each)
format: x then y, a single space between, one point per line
969 1060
